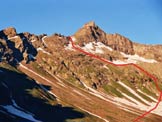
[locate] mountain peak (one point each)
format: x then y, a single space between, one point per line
90 24
90 32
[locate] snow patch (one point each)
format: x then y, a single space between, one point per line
69 47
81 94
43 40
98 50
11 109
40 49
135 58
106 67
61 84
147 95
73 38
98 47
133 92
14 37
101 45
21 65
31 57
158 110
4 85
119 62
33 40
137 104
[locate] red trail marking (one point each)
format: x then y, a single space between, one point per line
129 64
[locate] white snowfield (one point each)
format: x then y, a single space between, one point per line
137 104
98 47
91 47
133 92
21 65
127 104
121 102
147 95
40 49
16 110
121 62
101 45
135 58
13 110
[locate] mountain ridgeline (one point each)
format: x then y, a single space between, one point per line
45 74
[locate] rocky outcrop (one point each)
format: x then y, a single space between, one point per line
15 47
120 43
90 32
9 32
149 51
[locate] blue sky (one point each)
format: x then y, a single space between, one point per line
139 20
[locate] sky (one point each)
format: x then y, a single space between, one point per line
138 20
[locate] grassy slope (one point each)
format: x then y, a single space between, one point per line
30 96
110 114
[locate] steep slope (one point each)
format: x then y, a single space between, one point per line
90 32
24 99
149 51
106 92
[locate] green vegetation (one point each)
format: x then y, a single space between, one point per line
145 97
160 86
39 69
115 70
111 90
9 67
128 83
145 90
41 94
71 79
124 90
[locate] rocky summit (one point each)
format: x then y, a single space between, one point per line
90 32
90 76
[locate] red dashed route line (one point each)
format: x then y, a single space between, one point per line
120 65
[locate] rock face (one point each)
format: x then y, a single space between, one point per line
15 47
53 56
90 32
10 32
120 43
149 51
